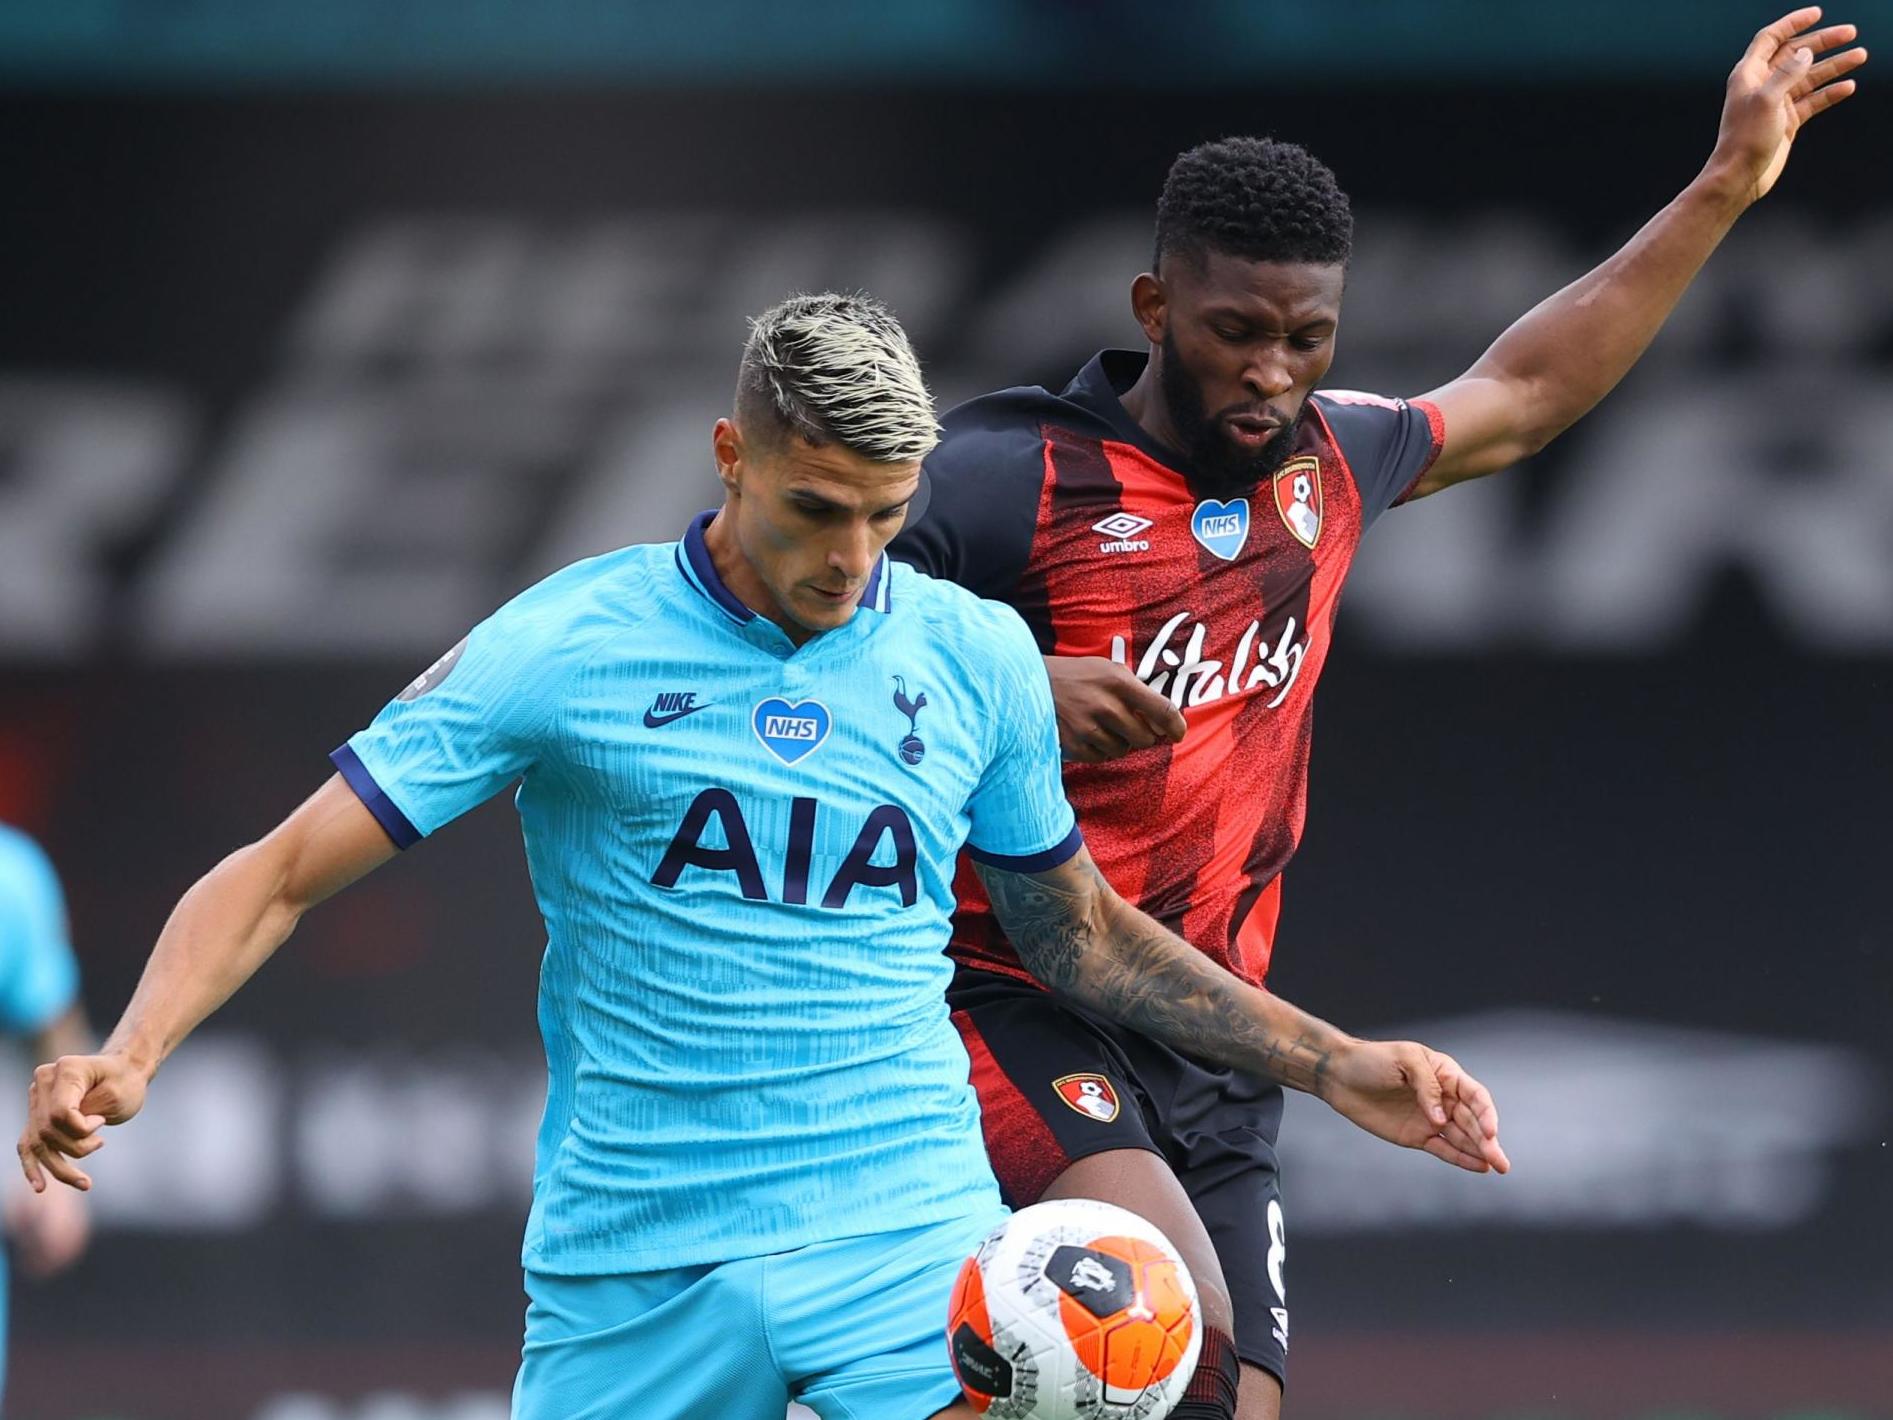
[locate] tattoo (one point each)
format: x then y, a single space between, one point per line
1086 943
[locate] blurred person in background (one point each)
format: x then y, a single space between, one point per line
760 1163
39 1006
1176 526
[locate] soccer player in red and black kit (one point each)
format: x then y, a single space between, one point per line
1176 526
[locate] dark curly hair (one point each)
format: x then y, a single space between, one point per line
1255 198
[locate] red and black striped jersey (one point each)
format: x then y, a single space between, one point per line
1063 507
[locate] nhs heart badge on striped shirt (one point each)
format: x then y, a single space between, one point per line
1222 528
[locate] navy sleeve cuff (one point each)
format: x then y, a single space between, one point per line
387 813
1042 862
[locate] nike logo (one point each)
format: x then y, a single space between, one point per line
672 705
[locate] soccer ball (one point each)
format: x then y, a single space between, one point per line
1074 1310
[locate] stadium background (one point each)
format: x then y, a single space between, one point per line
326 328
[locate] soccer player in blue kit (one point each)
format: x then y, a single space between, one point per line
39 1003
748 761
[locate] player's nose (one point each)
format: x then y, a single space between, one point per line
854 555
1268 377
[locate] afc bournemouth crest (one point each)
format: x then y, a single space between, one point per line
1091 1095
1298 497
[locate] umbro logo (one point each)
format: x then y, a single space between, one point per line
1122 529
672 705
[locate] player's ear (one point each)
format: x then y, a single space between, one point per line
1150 306
726 443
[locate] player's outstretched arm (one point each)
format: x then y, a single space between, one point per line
1086 943
1557 361
221 931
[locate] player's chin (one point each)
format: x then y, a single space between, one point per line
1240 462
817 611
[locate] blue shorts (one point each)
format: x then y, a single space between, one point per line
854 1329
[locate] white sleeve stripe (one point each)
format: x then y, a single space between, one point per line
1362 397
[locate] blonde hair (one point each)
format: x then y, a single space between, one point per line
837 368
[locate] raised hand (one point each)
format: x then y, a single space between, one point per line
69 1101
1401 1091
1791 72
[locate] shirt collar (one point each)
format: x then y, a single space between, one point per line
1099 388
699 569
876 595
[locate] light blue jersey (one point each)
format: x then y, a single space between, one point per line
744 853
39 981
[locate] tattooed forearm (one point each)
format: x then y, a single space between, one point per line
1086 943
1051 917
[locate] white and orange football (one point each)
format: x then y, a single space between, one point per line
1074 1310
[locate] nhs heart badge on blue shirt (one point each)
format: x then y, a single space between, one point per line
791 732
1222 528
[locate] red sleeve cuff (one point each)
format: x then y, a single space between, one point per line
1436 427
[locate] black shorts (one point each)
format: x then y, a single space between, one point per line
1057 1083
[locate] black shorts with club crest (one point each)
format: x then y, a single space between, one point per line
1057 1083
